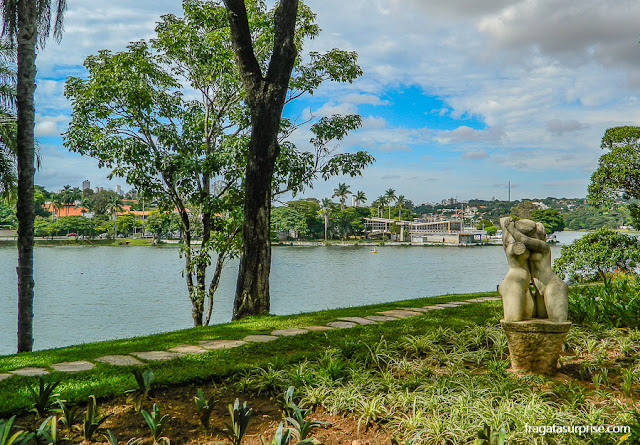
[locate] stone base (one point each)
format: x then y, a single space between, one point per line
535 345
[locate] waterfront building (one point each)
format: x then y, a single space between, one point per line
447 231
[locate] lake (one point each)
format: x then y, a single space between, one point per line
85 294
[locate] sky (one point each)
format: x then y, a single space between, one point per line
458 98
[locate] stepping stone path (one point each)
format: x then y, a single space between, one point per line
342 324
120 360
400 313
188 349
317 328
358 320
139 358
260 338
289 332
380 318
78 366
155 356
221 344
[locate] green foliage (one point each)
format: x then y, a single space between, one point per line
236 428
92 419
139 395
112 440
17 438
287 220
523 209
156 424
598 254
204 407
70 414
550 218
591 218
619 169
41 396
301 426
284 437
48 431
486 436
632 437
615 305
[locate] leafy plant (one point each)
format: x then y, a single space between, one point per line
92 419
628 379
70 414
41 396
633 436
48 430
17 438
301 427
204 408
111 439
411 441
486 436
284 437
240 416
156 423
139 395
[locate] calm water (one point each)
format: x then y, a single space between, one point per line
86 294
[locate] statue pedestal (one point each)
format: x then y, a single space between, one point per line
535 345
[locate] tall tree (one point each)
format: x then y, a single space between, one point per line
266 85
28 22
618 172
265 95
360 197
341 193
7 120
390 196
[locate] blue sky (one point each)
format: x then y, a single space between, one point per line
457 97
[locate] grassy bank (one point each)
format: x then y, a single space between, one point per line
440 377
105 380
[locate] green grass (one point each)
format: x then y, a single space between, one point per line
105 380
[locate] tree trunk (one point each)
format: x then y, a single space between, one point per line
265 96
25 203
252 289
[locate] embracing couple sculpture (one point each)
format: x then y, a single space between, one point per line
530 289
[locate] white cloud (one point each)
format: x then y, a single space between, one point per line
464 134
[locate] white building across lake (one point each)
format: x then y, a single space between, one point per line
444 231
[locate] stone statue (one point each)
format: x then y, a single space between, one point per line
529 261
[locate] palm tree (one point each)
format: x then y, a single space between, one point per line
381 201
341 192
360 198
400 203
28 22
391 197
325 208
114 206
7 119
56 204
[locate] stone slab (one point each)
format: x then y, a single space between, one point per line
5 376
490 298
434 307
120 360
459 302
77 366
317 328
342 324
289 332
222 344
29 372
446 305
156 356
359 320
415 309
400 313
380 317
474 300
188 349
260 338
